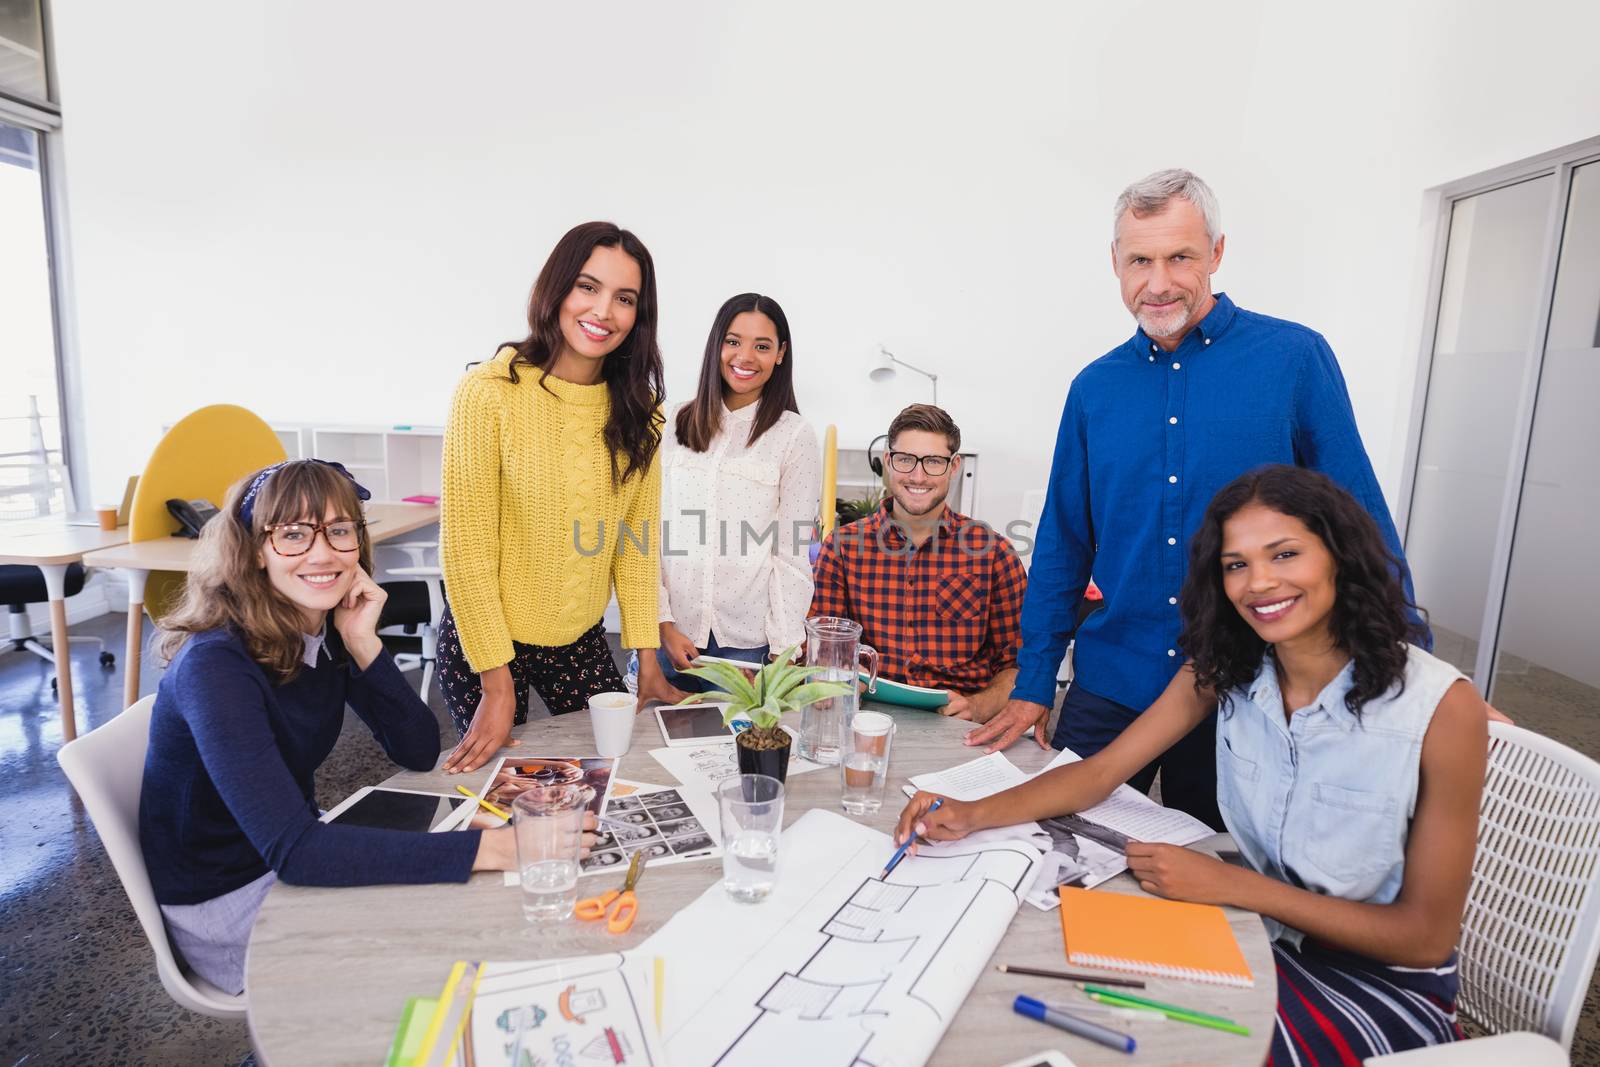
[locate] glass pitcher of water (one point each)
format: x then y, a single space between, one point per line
834 644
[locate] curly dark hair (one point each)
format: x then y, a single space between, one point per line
1370 610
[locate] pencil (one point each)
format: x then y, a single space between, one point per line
464 791
1070 976
900 853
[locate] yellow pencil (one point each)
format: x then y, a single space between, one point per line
464 791
661 967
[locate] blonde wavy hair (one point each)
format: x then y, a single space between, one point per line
228 585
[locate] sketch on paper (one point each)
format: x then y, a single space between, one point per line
839 968
587 1009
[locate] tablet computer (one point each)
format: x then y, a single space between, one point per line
399 809
692 724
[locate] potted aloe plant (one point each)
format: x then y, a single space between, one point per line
762 697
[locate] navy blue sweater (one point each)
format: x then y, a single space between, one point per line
228 776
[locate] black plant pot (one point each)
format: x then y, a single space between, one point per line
768 761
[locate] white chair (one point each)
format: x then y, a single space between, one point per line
106 767
1532 926
410 617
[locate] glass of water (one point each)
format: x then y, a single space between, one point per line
549 829
752 817
864 765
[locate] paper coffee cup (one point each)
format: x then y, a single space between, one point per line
870 731
107 517
611 715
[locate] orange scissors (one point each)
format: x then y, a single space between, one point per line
617 908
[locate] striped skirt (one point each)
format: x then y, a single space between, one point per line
1339 1008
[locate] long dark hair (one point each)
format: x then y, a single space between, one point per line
632 373
1369 619
699 420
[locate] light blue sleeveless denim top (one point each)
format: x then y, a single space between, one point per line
1320 799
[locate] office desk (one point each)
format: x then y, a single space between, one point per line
53 546
385 521
329 970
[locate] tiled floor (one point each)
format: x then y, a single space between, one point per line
77 979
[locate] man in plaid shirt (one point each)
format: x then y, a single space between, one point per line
939 595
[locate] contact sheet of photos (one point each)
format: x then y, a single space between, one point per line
659 820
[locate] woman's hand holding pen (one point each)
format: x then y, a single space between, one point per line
952 819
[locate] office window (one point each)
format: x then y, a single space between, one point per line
33 472
22 63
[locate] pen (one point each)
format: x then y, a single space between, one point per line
492 809
1171 1011
900 853
1070 976
1118 1010
1061 1020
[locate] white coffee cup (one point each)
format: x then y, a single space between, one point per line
611 715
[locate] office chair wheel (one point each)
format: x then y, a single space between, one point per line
107 660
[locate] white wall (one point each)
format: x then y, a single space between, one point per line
323 210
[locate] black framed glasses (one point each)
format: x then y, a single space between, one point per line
906 462
296 538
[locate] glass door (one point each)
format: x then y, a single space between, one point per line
1547 652
1489 308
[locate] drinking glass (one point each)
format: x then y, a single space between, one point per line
549 829
834 644
864 767
751 806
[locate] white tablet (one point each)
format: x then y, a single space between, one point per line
1048 1058
692 724
399 809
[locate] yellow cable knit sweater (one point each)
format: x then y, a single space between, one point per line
533 535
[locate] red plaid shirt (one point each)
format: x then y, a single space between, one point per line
947 615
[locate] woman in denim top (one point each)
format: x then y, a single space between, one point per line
1349 769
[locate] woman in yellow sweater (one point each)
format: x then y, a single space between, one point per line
552 497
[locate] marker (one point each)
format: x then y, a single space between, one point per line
900 853
1072 1024
464 791
1171 1011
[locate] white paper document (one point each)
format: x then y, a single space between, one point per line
838 968
588 1009
1085 849
708 766
974 779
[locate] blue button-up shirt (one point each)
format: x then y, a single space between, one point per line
1146 440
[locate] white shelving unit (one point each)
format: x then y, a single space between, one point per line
394 462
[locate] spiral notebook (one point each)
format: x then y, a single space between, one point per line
1143 935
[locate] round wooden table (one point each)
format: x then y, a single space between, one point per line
329 970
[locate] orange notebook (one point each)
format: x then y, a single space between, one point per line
1144 935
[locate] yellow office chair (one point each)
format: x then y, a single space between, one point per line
199 458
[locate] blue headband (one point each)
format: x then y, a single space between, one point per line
247 505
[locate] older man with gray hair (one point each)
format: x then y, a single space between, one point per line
1203 392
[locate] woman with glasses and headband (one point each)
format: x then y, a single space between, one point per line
252 703
742 473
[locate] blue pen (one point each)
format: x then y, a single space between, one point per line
1059 1019
900 853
